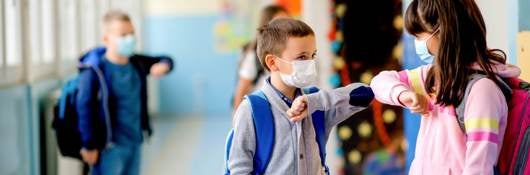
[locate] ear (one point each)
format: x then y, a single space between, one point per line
271 63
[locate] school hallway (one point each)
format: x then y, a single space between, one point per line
191 145
189 96
194 145
186 145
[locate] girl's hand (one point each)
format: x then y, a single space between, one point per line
417 103
298 109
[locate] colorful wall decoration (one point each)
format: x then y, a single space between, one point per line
294 7
238 21
236 25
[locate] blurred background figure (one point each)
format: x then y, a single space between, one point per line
41 41
113 125
251 74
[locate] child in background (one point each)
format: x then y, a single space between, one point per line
250 72
112 99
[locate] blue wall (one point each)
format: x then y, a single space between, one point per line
524 15
203 81
411 121
20 126
14 131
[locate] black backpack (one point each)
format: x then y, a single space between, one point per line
65 121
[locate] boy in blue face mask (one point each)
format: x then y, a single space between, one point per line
287 48
112 98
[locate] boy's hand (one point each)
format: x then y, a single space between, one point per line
298 109
417 103
89 156
159 69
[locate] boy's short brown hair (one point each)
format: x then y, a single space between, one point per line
115 15
273 37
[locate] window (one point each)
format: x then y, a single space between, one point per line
12 32
39 40
68 42
11 69
32 26
103 7
89 21
2 55
49 35
69 38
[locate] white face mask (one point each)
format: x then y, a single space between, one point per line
304 73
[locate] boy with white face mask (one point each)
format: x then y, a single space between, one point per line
112 99
287 48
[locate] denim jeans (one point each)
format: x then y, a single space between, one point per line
118 160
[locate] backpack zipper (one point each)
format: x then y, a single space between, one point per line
105 104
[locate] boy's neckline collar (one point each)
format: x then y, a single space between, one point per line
106 59
282 96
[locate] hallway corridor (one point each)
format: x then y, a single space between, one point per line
186 145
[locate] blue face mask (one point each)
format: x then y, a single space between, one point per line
126 45
423 51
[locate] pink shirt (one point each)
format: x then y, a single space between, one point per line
441 146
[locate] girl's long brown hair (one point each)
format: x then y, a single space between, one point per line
462 36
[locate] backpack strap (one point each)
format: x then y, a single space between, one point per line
228 146
319 124
67 96
460 109
264 130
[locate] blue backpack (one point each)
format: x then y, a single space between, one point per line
264 131
65 120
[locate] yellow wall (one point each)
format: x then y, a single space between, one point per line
182 8
523 51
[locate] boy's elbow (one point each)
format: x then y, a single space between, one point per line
239 165
361 96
